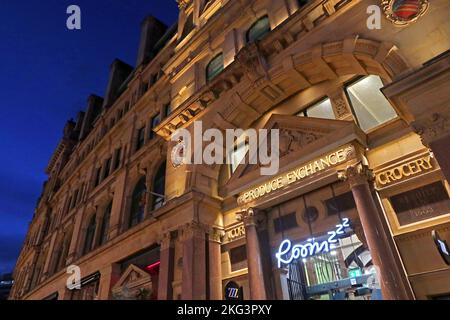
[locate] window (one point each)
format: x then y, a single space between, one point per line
153 79
159 187
154 122
138 200
322 109
258 30
140 138
237 155
371 108
107 168
117 155
340 203
89 238
285 222
105 225
97 176
119 114
214 67
167 110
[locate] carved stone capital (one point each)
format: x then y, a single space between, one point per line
250 217
193 230
166 239
356 174
432 128
216 235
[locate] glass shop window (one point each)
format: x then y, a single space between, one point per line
422 203
322 109
370 106
286 222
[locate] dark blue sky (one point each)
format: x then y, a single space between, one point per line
46 74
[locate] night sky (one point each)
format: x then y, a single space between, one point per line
46 75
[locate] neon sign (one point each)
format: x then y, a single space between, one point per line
311 247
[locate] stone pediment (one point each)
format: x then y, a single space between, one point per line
299 138
131 280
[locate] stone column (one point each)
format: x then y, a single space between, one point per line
194 262
166 268
255 268
376 235
215 265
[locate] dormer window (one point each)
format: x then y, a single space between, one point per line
214 67
258 30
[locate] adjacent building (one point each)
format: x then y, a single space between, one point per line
359 209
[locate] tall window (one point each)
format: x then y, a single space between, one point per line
117 155
154 122
159 186
258 30
105 225
140 138
322 109
370 106
89 239
214 67
107 168
167 110
97 176
138 200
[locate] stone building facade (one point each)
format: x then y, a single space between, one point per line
363 116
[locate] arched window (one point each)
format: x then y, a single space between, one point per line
259 29
105 225
214 67
89 239
159 187
138 199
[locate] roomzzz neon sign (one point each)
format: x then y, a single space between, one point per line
311 247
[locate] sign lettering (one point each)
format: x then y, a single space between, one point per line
288 252
298 174
402 171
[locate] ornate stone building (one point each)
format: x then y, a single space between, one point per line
364 128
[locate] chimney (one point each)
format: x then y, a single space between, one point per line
79 122
93 110
151 31
119 72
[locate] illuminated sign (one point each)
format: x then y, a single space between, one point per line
288 252
233 291
404 170
298 174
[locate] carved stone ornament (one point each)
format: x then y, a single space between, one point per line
404 12
291 140
356 174
253 62
432 128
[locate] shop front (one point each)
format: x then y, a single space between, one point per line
315 231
